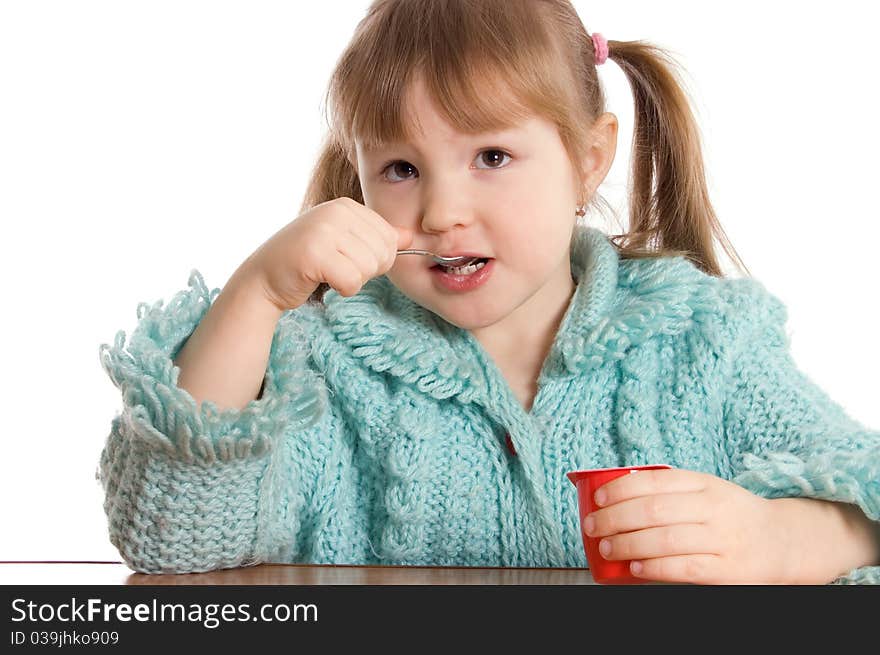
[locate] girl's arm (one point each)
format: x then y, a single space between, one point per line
225 358
189 487
787 438
840 537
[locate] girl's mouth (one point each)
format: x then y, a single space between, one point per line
469 269
464 278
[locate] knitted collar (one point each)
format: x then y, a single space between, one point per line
618 304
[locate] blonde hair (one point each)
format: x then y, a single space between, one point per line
490 64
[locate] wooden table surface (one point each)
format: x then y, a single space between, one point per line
117 573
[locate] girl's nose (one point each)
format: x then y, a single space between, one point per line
434 221
446 209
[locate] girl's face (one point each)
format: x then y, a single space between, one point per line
510 196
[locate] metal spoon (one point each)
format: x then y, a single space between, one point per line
446 261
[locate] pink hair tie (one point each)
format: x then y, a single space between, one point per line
600 45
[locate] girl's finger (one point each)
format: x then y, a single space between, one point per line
666 541
373 223
360 251
647 512
377 243
646 483
342 274
694 569
374 238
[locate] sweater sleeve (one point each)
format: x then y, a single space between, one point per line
189 489
785 436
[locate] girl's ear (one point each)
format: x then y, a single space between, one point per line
600 154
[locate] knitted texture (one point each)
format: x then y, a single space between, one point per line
380 435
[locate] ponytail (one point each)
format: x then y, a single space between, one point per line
670 210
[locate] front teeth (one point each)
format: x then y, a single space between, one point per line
464 270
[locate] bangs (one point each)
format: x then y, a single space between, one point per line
471 105
464 56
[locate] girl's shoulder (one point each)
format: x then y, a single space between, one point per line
720 307
680 277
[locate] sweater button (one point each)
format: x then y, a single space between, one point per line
509 443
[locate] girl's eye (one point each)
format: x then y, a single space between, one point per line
396 167
498 155
404 167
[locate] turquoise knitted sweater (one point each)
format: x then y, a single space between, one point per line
380 437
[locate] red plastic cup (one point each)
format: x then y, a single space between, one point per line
587 482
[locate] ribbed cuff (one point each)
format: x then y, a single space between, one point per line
166 417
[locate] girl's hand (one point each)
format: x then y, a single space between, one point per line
340 242
684 526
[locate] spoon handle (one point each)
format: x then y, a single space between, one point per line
446 261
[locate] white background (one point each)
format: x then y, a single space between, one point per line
141 140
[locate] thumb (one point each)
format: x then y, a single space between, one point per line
404 237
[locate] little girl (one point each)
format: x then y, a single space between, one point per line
341 403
